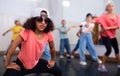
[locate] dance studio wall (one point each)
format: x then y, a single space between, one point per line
11 10
79 8
21 9
76 13
73 14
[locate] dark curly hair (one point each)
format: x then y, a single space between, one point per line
30 24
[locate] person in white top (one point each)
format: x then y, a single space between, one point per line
86 40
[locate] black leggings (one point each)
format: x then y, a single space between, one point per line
110 42
41 67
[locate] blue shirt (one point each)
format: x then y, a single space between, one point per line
62 35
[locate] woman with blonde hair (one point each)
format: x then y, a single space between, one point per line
110 22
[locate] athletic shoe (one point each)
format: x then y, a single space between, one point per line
4 57
68 55
83 63
118 65
99 61
102 68
69 58
61 56
72 56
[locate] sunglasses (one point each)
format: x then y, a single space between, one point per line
40 19
43 15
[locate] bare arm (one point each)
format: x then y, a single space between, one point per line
11 51
53 55
52 51
112 28
6 32
60 30
79 32
64 32
78 25
73 26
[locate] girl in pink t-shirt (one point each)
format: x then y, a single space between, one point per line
110 22
33 38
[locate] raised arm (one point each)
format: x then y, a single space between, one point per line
73 26
6 32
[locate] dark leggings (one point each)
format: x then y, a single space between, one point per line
109 43
41 67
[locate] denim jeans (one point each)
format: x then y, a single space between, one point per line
64 43
77 45
46 52
86 41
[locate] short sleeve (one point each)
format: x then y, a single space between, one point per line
50 37
24 34
12 28
21 28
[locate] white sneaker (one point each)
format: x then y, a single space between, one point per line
99 61
102 68
72 56
4 57
68 55
61 56
83 63
118 65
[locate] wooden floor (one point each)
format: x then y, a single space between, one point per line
73 68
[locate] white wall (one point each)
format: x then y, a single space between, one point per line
17 7
21 9
11 10
79 8
77 12
56 12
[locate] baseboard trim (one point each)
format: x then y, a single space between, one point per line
2 52
111 59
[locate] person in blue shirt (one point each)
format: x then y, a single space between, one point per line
64 41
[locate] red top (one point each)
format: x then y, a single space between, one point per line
105 22
32 48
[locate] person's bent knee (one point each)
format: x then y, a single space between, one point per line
57 71
11 72
117 52
108 53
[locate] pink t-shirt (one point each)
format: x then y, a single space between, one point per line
32 48
105 22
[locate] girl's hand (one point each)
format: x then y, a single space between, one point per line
3 34
13 66
50 63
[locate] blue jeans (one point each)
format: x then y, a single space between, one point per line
86 41
64 43
77 45
46 52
